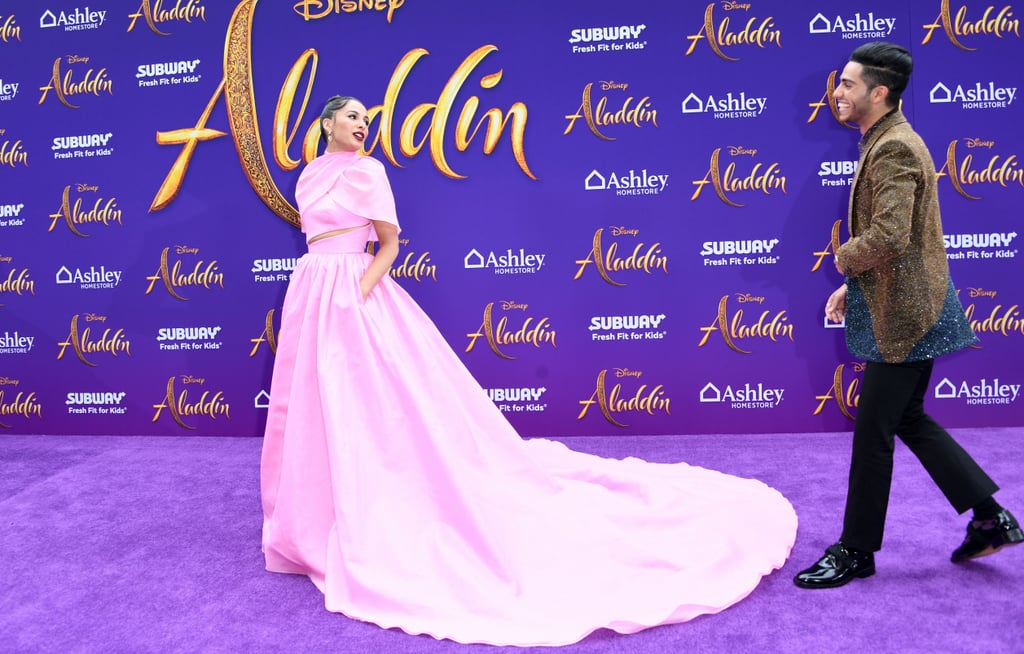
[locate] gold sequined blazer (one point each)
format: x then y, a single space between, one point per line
896 251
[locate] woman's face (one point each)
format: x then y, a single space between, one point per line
348 127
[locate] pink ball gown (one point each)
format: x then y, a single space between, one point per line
394 483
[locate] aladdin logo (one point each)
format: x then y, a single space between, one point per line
112 342
415 267
202 274
273 270
509 263
730 106
762 178
768 326
188 338
828 100
858 27
17 281
837 173
846 396
982 392
154 14
830 248
8 29
756 31
98 403
209 404
92 83
606 39
976 97
74 215
327 7
647 399
956 27
173 72
1001 321
518 399
626 328
268 336
999 170
23 404
81 19
245 127
626 183
91 278
747 397
8 90
601 115
536 333
12 154
643 257
15 343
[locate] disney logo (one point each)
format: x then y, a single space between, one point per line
624 231
979 143
737 150
747 297
980 292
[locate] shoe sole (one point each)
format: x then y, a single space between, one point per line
1015 537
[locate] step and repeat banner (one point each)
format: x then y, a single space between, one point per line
620 216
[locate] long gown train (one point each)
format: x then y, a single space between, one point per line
393 482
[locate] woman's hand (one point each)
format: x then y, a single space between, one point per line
387 252
365 287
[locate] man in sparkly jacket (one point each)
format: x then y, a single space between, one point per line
901 313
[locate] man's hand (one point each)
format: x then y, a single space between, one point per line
835 308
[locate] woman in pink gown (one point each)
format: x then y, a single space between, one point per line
393 482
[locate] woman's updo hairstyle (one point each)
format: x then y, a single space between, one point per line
333 104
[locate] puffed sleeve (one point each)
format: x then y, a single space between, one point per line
364 190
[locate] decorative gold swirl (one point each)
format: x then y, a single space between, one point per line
241 104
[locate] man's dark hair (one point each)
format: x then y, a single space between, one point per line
885 64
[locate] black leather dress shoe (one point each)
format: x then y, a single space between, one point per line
986 537
839 566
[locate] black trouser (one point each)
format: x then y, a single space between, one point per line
892 403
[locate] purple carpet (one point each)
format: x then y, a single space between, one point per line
151 544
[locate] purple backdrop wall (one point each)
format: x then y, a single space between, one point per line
621 217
